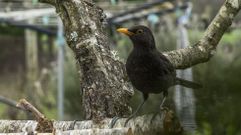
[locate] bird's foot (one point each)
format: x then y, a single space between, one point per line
164 109
71 127
113 121
128 119
160 112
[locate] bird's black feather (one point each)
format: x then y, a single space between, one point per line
149 70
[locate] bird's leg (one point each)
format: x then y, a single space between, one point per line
165 93
113 121
163 101
137 110
73 124
161 106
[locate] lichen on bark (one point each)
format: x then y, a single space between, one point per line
205 48
105 91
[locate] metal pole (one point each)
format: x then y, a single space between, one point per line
184 97
60 73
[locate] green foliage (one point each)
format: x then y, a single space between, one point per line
2 108
232 37
206 129
73 97
10 30
218 103
166 40
48 105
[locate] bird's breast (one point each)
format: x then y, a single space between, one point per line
141 65
143 71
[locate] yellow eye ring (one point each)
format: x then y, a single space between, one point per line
139 31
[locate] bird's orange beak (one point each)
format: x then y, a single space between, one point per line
125 31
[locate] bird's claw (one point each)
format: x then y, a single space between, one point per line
72 125
113 121
162 109
128 119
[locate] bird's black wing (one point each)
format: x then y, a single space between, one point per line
170 70
166 65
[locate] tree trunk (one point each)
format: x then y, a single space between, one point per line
105 90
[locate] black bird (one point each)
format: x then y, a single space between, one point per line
149 70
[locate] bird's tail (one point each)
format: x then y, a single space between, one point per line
188 84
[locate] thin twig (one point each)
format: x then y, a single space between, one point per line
44 125
9 102
205 48
25 105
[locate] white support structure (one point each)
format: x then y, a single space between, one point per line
15 11
60 73
27 14
183 97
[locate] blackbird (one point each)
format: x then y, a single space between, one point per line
149 70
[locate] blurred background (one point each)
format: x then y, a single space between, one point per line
36 64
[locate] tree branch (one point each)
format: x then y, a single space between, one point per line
43 125
25 105
139 126
9 102
105 91
205 48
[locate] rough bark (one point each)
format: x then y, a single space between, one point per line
167 123
105 91
139 126
44 124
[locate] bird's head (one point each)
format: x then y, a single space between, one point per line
140 35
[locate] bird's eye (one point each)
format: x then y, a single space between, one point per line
139 31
